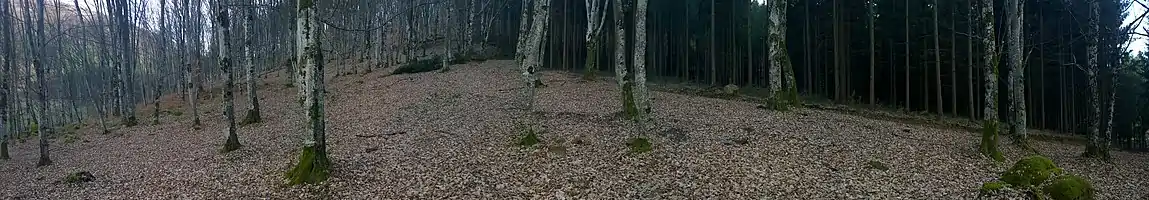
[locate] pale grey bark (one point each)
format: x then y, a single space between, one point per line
779 60
223 27
253 113
595 17
620 70
533 52
313 164
989 59
641 94
1014 15
45 128
1098 146
448 37
524 25
5 76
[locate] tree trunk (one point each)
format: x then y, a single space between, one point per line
989 138
1014 15
595 19
780 59
907 57
313 162
223 23
5 77
873 62
45 128
253 113
641 94
713 62
937 60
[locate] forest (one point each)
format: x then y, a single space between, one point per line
574 99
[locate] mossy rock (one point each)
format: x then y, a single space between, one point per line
312 168
79 177
730 89
993 186
530 138
1030 172
1070 187
419 66
877 164
639 145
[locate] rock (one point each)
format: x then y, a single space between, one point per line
730 89
1031 171
79 177
1069 187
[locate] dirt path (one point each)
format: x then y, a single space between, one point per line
440 135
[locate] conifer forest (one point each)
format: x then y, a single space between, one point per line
574 99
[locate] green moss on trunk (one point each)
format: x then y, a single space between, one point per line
591 61
989 141
312 168
252 117
628 101
232 143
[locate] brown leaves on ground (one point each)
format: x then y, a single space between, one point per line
457 140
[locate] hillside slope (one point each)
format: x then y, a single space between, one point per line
438 135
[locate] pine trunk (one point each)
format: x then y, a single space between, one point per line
937 61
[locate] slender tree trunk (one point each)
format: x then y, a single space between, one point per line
873 59
989 138
313 162
1014 15
953 62
5 77
595 19
937 61
713 62
45 128
253 113
907 57
641 94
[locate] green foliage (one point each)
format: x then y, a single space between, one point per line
70 137
528 137
993 186
639 145
78 177
628 105
312 168
252 117
1030 172
1070 187
419 66
989 141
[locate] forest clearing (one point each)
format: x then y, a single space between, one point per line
449 135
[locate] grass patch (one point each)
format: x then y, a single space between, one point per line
639 145
312 168
419 66
78 177
993 186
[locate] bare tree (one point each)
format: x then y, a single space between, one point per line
595 18
45 128
313 163
1098 146
223 27
253 114
779 57
1014 15
989 137
5 76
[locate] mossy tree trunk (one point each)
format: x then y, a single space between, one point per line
781 72
223 26
532 50
1098 146
620 71
595 18
313 162
253 114
989 138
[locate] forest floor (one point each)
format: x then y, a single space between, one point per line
451 135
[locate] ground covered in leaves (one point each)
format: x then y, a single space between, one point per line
437 135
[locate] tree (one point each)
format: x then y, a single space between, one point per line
937 59
1013 9
641 94
620 69
6 30
224 32
313 163
162 41
780 60
45 128
253 114
1098 147
190 64
989 138
870 17
595 18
